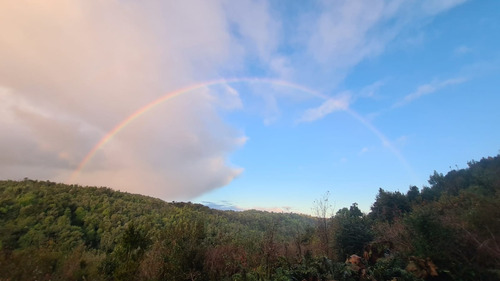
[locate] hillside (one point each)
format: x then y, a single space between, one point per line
447 231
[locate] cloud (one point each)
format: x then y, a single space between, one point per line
435 7
427 89
341 34
254 28
226 97
461 50
347 32
329 106
370 91
363 151
71 71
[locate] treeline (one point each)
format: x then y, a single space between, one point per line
447 231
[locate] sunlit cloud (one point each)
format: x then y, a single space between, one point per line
73 70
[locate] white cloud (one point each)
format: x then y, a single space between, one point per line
226 97
254 27
346 32
427 89
341 34
74 70
282 67
329 106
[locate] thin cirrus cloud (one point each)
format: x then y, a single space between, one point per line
427 89
344 33
462 50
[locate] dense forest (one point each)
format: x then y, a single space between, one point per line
449 230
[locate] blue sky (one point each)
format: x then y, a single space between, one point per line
352 96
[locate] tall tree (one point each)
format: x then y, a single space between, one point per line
389 205
352 231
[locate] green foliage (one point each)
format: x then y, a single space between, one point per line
51 231
430 237
414 195
352 231
454 222
389 205
390 269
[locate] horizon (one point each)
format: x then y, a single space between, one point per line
250 104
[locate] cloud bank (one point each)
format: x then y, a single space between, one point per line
73 70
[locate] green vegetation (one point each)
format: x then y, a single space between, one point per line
447 231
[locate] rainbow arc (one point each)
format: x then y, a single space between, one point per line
192 88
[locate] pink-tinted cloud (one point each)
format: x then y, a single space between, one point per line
72 70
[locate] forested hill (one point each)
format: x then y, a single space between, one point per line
50 228
449 230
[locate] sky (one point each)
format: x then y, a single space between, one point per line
248 104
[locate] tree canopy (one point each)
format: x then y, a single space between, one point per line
448 230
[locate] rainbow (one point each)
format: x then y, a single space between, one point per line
191 88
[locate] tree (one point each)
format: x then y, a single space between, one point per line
413 194
123 263
389 205
352 231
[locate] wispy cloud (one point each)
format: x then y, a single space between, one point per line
341 102
347 32
370 91
427 89
462 50
363 151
